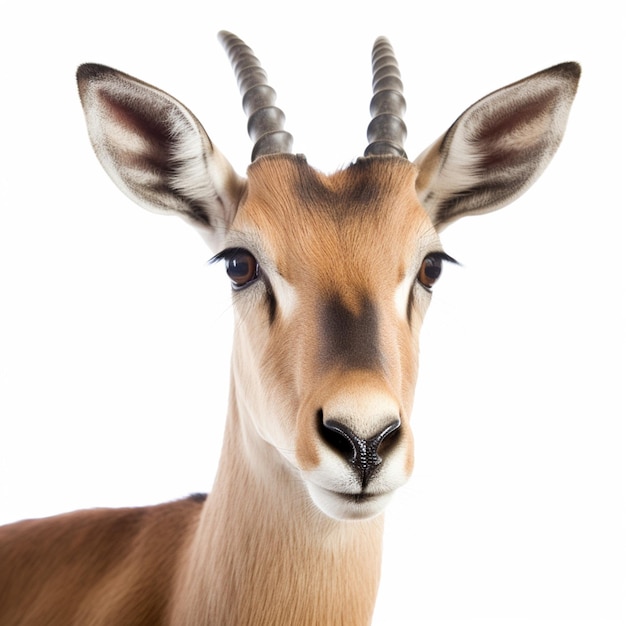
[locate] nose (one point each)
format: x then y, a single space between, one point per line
363 454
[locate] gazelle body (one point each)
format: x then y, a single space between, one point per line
332 276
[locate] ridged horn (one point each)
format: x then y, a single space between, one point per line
265 121
386 132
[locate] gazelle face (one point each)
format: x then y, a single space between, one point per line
331 274
331 279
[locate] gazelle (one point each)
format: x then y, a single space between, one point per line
331 277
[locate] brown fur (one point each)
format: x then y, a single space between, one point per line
97 567
344 242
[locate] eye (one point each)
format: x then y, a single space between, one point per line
242 268
431 267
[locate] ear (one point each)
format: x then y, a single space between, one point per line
157 152
498 147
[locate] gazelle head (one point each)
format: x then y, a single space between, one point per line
331 274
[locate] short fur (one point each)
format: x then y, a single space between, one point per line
326 338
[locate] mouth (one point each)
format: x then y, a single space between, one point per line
357 498
348 506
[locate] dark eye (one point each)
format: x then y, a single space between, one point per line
242 268
430 269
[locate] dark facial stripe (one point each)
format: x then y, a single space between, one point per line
349 340
271 304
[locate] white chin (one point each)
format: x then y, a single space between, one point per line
348 507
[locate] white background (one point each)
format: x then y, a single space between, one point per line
115 334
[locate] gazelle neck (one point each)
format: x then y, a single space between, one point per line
264 554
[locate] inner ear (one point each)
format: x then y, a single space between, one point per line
156 151
498 147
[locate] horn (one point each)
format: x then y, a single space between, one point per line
265 121
386 132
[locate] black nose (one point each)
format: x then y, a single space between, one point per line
362 454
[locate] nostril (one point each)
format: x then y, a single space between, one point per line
388 437
336 437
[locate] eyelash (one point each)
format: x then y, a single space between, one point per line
432 261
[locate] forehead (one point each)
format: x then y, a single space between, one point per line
362 186
369 208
